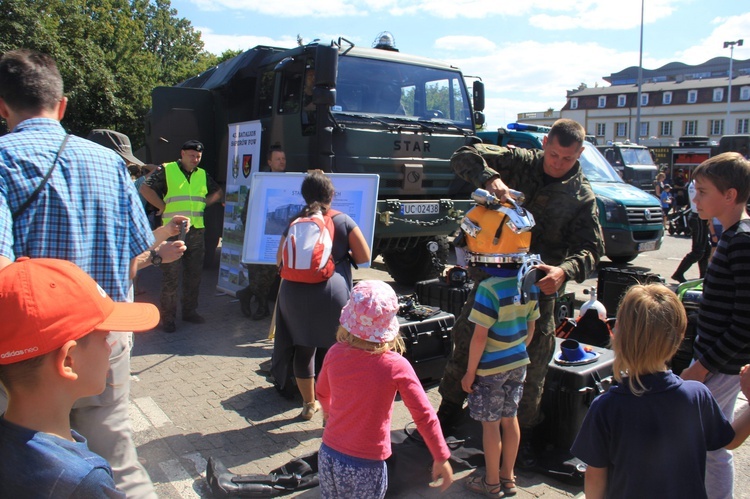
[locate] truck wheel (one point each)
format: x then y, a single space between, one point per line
416 264
622 258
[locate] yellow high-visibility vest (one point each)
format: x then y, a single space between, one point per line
185 197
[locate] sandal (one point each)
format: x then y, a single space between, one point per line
479 486
509 486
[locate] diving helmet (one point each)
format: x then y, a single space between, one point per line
498 234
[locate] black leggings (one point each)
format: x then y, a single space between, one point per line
304 362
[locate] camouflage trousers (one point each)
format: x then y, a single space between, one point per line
191 265
540 353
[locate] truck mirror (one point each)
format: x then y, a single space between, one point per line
478 95
324 96
478 118
326 66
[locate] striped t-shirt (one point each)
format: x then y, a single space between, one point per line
496 308
723 343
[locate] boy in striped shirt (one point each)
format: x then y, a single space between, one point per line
723 343
496 370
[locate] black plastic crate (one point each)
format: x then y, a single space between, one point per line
428 344
613 282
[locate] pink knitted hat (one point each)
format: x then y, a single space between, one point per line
370 313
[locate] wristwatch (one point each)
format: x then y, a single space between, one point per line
155 258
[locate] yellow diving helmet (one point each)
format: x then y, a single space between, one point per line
497 233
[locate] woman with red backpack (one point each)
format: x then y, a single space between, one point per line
310 302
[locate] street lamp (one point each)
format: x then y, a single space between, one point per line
729 91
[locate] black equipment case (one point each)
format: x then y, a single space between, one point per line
613 282
428 344
568 393
438 293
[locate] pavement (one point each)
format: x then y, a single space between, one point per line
201 392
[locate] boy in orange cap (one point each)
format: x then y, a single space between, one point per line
53 351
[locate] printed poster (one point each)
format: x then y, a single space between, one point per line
243 159
275 200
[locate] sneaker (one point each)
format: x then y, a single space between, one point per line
678 277
193 317
168 326
309 410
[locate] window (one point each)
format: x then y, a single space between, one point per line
665 128
621 129
690 127
602 101
265 93
620 100
692 96
574 103
666 98
716 127
718 94
744 93
644 99
601 129
644 129
742 125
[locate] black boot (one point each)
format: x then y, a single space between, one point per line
527 455
679 274
449 414
262 311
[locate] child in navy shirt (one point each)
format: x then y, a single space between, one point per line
648 436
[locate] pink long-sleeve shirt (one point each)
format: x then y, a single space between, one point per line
357 389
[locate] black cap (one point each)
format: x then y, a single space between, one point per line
194 145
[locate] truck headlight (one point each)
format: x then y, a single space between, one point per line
613 211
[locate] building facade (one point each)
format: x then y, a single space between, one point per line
676 100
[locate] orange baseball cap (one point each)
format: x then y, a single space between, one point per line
45 302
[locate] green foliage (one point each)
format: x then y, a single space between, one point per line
111 54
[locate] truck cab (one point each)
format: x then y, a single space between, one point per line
634 163
342 109
631 218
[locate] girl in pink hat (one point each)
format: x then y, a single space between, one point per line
356 439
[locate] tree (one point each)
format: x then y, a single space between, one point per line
111 54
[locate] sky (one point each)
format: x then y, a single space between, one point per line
528 53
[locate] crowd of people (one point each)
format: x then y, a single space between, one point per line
72 240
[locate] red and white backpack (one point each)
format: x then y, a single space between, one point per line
306 255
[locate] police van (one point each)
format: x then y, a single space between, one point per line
631 218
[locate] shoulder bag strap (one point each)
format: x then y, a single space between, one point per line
39 188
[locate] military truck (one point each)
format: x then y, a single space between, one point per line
631 218
633 162
342 109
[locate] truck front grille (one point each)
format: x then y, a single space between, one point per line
644 215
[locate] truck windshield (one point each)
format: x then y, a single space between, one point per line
596 167
636 156
399 90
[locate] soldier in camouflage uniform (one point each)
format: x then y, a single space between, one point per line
567 236
261 277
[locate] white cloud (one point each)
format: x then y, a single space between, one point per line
216 44
543 14
286 8
465 42
729 29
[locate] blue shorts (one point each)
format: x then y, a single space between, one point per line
497 396
346 477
